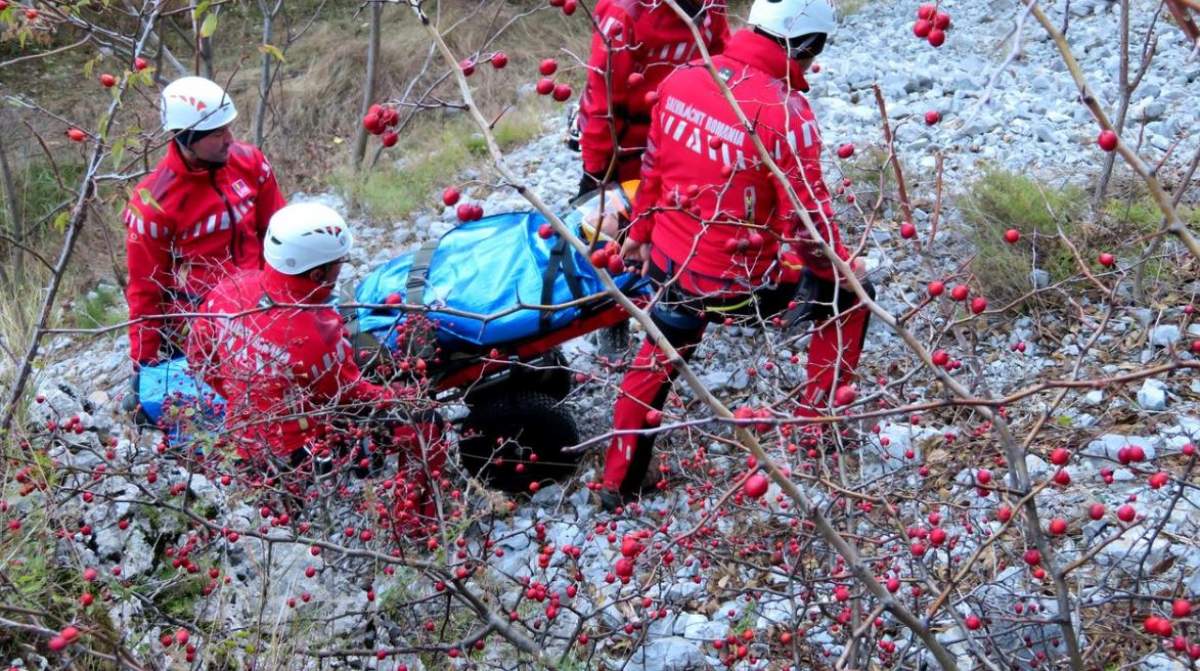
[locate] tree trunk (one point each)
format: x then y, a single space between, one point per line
14 212
264 80
360 138
1126 94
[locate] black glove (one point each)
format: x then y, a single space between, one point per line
132 403
589 182
133 399
814 299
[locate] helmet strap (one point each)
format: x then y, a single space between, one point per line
801 47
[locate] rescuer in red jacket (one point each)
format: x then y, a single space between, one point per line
635 45
284 365
710 219
197 217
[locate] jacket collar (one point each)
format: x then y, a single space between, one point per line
179 166
764 53
282 288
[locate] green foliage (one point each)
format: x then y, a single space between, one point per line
1001 200
99 307
434 153
38 194
871 172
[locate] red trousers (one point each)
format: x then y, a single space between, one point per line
833 355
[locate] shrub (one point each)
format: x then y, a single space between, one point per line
1000 200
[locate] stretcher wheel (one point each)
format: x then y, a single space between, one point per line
517 438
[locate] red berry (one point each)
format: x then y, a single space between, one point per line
1107 260
1062 478
936 38
545 231
979 304
568 7
562 92
623 568
548 67
599 258
932 117
983 476
654 418
499 60
465 212
907 230
941 357
1060 456
76 135
927 11
450 196
1033 557
922 28
756 485
845 151
107 80
1181 608
545 86
1107 140
57 643
1158 480
845 395
1011 236
936 288
959 293
467 65
973 622
1004 514
616 265
1096 511
941 21
181 637
140 64
1126 513
390 139
1058 526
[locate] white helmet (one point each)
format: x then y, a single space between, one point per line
793 18
303 236
195 103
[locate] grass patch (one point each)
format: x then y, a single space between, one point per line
872 174
1000 200
99 307
438 152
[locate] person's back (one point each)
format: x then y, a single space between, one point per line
274 348
277 367
708 203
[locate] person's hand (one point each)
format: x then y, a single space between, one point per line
636 254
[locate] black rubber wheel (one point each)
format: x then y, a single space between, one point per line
613 342
503 432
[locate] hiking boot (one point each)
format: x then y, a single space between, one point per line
611 500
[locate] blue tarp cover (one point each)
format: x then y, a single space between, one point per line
483 267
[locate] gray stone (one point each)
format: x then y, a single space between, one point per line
1039 278
673 653
1164 335
1152 396
1106 446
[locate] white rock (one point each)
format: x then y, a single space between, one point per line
1152 396
1164 335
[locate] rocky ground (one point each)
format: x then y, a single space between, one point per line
1022 117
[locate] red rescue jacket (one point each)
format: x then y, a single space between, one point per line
275 364
706 202
643 37
189 229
